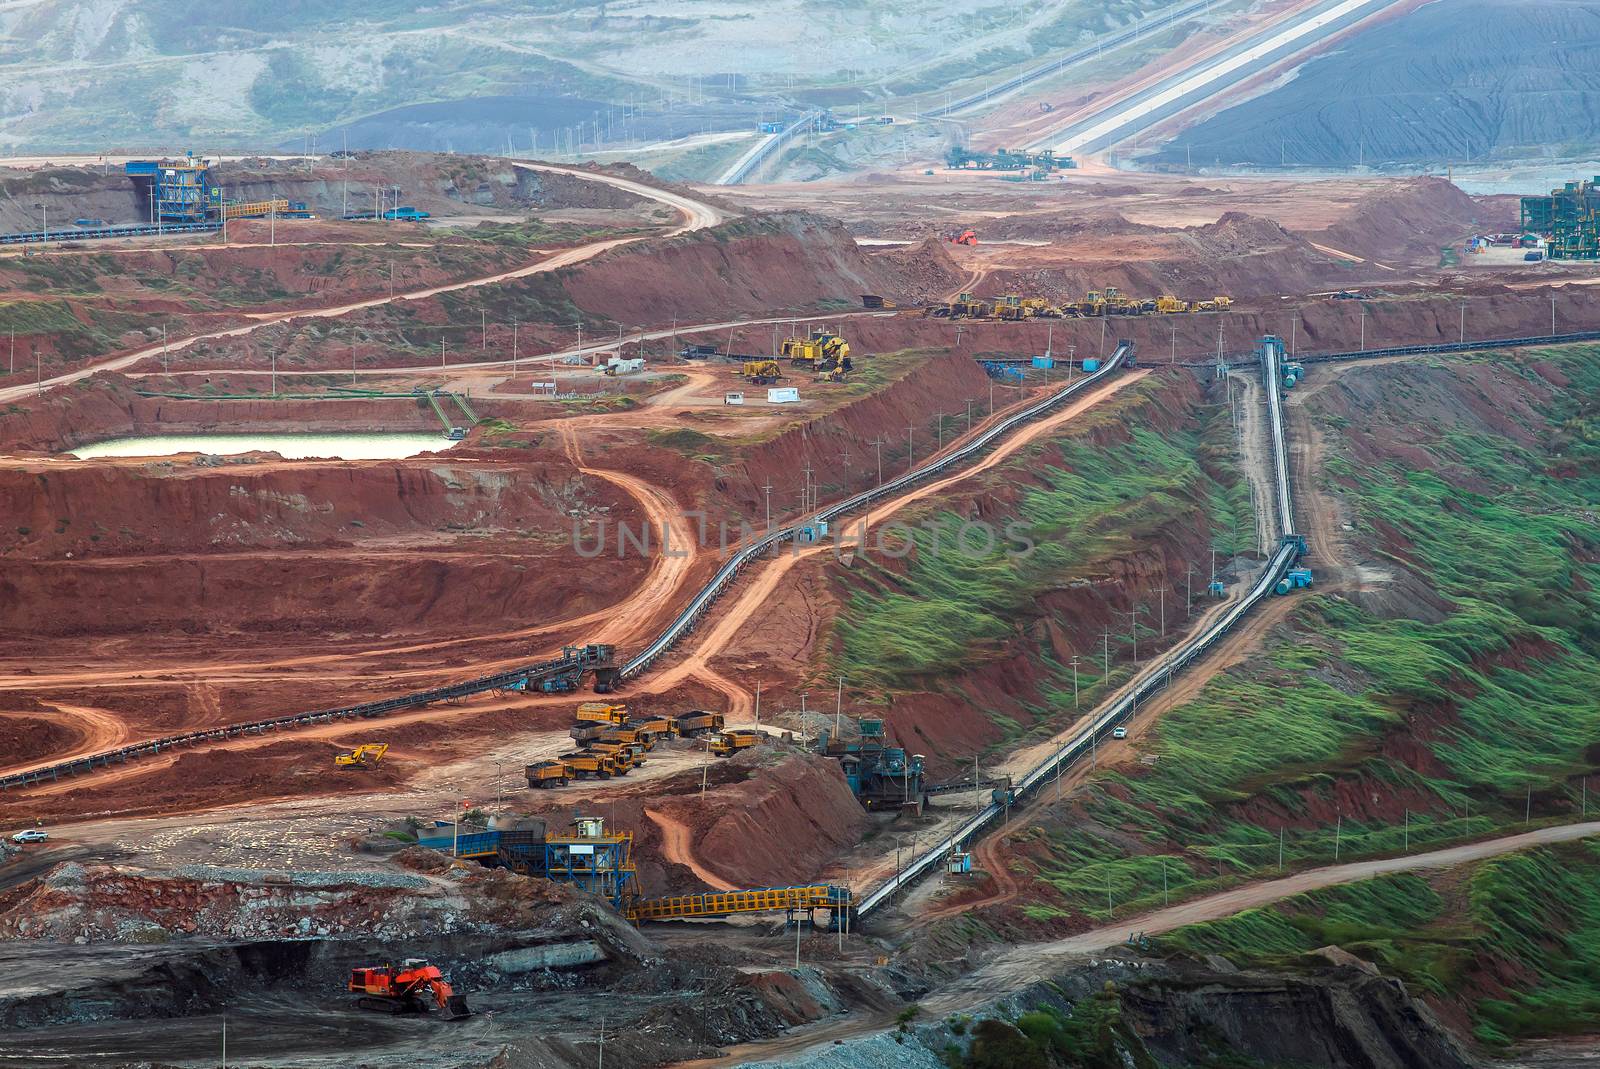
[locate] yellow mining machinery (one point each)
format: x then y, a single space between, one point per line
603 712
762 372
367 755
822 351
732 741
1110 301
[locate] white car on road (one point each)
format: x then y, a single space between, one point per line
1119 733
30 835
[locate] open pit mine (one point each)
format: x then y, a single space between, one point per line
1016 611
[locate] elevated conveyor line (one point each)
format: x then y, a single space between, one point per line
726 903
1444 348
93 233
574 659
584 658
461 403
726 574
438 410
743 167
1272 375
1118 710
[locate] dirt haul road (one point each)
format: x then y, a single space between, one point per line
1035 962
653 598
695 216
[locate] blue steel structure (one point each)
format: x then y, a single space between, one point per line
177 191
589 858
882 776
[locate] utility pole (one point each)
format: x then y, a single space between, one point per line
513 346
1106 635
1188 593
1075 706
878 444
767 490
1552 316
274 374
483 320
909 448
758 703
1133 627
1463 336
1364 328
1338 828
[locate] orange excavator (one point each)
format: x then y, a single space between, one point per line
968 236
409 989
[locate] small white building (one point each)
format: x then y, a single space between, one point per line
733 398
783 395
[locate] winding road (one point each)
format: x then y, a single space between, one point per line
695 215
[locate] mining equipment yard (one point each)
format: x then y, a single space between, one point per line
649 731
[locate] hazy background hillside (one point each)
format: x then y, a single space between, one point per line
468 75
679 85
1455 80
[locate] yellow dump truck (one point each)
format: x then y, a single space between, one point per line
548 774
659 727
698 722
630 735
603 712
624 756
585 764
731 742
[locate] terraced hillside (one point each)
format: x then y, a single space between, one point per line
1436 688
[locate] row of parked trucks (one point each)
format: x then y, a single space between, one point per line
1107 302
611 743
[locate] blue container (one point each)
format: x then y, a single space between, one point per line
1045 362
1282 587
1091 365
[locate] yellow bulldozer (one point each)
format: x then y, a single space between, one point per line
367 755
1167 304
762 372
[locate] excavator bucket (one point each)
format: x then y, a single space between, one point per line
454 1008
